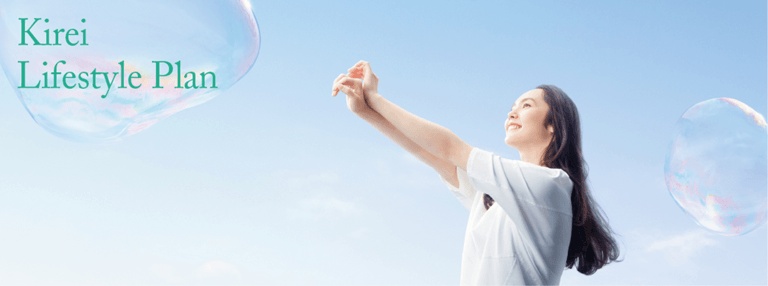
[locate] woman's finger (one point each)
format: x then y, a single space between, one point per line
360 70
335 91
357 65
356 70
344 88
355 73
350 82
345 85
367 69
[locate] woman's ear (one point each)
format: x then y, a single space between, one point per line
551 129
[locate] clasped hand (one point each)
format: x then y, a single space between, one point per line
357 92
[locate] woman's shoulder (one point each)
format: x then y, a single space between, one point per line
554 172
539 174
555 175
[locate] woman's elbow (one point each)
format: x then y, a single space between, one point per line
457 152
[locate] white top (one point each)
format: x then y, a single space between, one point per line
523 237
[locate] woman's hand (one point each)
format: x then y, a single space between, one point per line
370 81
353 88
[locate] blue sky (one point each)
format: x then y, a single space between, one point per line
275 182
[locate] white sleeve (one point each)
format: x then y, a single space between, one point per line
465 193
536 199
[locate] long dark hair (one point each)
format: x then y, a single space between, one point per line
591 240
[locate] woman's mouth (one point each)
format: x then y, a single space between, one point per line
513 127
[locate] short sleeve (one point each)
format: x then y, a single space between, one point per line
465 193
536 199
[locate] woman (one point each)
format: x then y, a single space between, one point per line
529 219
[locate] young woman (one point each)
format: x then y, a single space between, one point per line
529 219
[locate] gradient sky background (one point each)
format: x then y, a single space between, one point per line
275 182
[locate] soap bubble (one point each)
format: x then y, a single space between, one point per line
715 168
208 38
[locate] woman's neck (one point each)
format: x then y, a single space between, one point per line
533 155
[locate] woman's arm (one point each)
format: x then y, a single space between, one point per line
356 103
433 138
442 167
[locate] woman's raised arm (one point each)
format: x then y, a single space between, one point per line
356 103
435 139
442 167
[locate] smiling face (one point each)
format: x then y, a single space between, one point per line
525 123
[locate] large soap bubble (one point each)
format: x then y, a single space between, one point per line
192 43
715 168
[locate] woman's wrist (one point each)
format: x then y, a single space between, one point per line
373 100
373 96
368 112
365 112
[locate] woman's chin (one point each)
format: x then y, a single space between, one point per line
510 142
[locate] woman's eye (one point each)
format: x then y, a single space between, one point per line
524 105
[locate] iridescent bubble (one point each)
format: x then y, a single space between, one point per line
205 40
715 168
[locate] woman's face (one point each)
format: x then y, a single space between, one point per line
525 122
